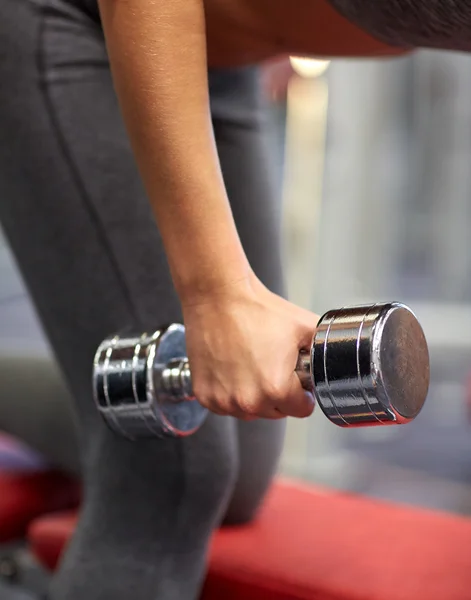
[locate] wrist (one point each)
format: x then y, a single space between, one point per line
214 284
235 281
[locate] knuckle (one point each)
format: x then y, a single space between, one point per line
201 393
207 397
276 392
249 404
248 418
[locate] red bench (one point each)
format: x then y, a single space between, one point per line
315 544
26 496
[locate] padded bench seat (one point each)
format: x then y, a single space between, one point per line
26 495
315 544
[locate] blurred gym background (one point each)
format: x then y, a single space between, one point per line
374 164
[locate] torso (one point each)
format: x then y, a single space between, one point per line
242 32
247 31
235 32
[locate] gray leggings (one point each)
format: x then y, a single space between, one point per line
76 216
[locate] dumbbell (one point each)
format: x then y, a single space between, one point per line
367 366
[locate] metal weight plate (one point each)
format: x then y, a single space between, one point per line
120 384
370 365
130 391
177 418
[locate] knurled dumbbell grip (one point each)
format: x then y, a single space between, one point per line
176 377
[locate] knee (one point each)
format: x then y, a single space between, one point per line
244 506
174 488
260 447
240 517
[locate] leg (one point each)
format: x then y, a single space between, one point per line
82 232
79 223
238 120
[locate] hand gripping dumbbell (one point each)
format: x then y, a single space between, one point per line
367 365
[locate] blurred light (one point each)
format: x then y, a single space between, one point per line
309 67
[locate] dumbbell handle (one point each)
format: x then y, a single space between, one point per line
176 377
367 365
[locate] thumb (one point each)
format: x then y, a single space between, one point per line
308 327
300 403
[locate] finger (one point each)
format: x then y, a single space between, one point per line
309 327
259 410
277 415
298 403
249 418
215 408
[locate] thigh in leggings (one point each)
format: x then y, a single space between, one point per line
77 218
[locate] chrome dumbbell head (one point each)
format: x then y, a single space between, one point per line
370 365
367 366
142 385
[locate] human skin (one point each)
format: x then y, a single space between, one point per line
159 52
247 31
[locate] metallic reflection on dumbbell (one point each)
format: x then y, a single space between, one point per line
367 365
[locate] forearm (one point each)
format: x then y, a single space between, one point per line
428 23
157 51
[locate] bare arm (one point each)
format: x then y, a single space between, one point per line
157 51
